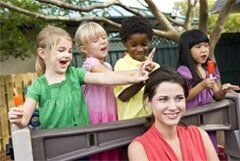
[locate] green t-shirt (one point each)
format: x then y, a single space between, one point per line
61 104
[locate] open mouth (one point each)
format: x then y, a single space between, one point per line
103 49
63 62
203 56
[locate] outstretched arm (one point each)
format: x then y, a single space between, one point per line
136 152
115 78
220 91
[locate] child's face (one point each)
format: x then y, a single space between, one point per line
168 104
60 57
137 46
97 48
200 52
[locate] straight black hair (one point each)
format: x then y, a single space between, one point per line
186 41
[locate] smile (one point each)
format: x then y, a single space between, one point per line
171 116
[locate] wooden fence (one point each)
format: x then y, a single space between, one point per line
7 84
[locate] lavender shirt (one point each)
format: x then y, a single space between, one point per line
205 96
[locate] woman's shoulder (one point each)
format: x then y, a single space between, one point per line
136 151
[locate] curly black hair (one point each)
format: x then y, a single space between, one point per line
134 25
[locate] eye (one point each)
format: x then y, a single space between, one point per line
179 98
95 40
197 46
145 44
61 49
133 44
162 99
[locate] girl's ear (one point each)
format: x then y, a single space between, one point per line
41 53
83 49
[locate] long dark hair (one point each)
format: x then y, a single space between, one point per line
186 41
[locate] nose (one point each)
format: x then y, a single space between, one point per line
67 54
172 105
203 49
139 49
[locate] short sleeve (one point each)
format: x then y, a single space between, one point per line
186 73
89 63
77 74
81 73
34 90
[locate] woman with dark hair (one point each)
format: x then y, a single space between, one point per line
166 140
192 65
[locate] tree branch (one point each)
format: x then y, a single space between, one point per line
58 18
129 9
169 29
221 21
189 14
203 16
89 8
79 8
177 23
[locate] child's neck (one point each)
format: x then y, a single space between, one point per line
200 71
54 77
100 60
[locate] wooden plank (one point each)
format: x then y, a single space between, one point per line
2 103
5 130
7 83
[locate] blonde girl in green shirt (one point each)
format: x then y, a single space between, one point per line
58 89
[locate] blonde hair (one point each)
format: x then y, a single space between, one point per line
48 39
87 31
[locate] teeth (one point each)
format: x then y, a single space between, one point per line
172 116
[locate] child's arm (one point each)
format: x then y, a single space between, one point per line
115 78
20 116
206 83
130 91
220 92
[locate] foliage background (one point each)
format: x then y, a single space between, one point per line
18 32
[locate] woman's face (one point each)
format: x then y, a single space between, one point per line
137 46
200 52
168 104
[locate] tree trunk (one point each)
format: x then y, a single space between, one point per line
218 28
203 16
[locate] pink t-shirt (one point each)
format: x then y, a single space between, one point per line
100 99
